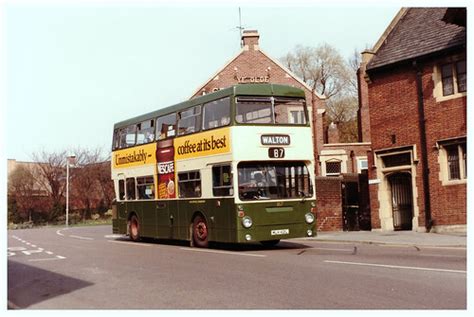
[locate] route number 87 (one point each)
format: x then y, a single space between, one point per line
276 152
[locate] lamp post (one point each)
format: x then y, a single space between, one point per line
70 160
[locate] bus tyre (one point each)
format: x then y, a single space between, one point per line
200 232
134 228
270 243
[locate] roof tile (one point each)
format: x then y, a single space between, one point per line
419 32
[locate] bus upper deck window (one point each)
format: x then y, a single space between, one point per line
189 120
166 126
128 136
290 111
216 113
146 132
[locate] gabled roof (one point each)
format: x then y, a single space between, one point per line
416 32
286 70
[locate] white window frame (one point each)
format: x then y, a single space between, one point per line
333 161
361 159
438 79
443 165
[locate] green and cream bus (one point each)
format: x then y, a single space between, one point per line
233 166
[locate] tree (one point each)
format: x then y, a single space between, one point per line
328 74
51 178
87 180
25 199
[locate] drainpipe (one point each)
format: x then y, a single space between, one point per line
423 150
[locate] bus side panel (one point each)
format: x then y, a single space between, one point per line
146 216
175 230
219 215
119 224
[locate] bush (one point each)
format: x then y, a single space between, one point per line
108 214
95 216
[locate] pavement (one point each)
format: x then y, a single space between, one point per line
454 239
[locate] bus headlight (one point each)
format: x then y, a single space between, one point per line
247 222
309 218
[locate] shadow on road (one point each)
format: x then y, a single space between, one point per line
29 285
283 245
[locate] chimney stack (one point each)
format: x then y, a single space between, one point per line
363 116
250 40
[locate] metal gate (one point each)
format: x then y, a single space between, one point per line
402 201
350 205
355 202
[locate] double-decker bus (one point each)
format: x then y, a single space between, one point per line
232 166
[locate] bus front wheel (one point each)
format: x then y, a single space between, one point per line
200 232
134 228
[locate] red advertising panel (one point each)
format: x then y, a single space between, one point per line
166 178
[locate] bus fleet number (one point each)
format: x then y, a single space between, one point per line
276 152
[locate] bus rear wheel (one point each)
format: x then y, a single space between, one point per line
200 232
134 228
270 243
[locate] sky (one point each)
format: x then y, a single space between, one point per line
71 70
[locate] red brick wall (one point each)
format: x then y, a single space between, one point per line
394 111
329 204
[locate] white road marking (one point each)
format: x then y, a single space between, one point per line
46 259
443 256
30 252
113 236
397 267
329 249
224 252
131 243
81 238
16 249
59 232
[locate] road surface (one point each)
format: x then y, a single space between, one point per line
89 268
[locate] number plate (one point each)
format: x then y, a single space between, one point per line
280 232
276 152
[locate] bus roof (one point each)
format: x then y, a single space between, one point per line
241 89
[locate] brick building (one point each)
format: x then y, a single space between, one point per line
252 65
413 86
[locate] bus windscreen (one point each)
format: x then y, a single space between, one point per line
273 180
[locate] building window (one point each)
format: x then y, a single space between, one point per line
333 168
456 161
453 78
189 184
297 117
461 76
453 161
400 159
362 164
